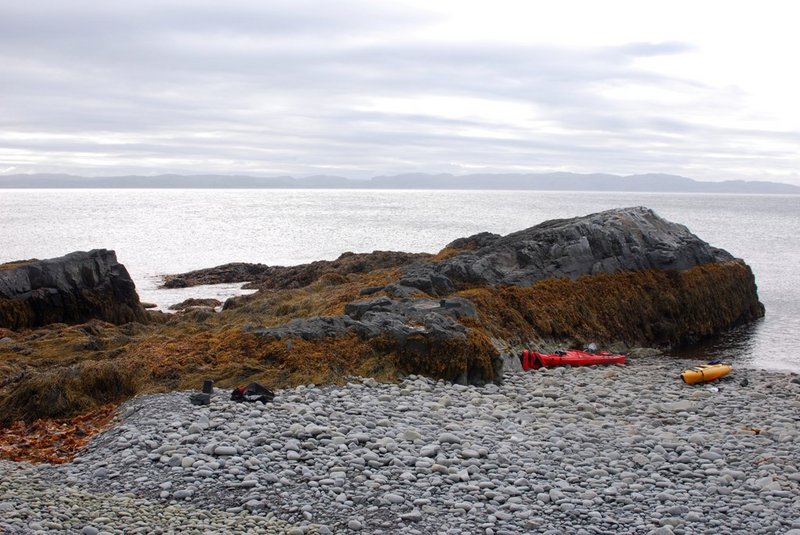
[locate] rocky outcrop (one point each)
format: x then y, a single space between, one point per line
440 316
624 277
194 302
424 334
625 239
260 276
226 273
71 289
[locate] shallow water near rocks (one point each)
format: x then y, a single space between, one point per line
157 232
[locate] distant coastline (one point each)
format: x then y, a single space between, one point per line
655 183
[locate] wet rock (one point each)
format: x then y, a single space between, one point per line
426 333
476 241
624 239
261 276
195 302
74 288
417 330
226 273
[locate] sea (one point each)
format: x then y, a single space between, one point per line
158 232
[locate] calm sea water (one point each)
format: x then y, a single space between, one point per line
156 232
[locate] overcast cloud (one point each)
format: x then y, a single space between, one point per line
366 88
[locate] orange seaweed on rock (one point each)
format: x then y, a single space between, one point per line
637 307
60 370
74 369
233 356
263 277
53 441
325 296
67 391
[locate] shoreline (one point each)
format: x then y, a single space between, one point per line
620 449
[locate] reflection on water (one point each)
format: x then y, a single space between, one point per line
761 344
736 346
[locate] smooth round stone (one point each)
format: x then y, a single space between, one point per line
410 435
195 429
393 498
100 473
693 516
225 450
663 530
413 516
429 451
449 438
518 453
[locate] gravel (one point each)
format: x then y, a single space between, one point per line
594 450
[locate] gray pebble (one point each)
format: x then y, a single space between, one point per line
584 450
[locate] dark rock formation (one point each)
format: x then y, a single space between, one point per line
624 276
372 318
71 289
624 239
476 241
260 276
424 333
226 273
194 302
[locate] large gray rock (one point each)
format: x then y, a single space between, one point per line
428 336
71 289
422 332
371 318
623 239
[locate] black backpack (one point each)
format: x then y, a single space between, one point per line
252 393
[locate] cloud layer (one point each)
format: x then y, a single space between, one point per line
354 89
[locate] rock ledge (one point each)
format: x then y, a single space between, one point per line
70 289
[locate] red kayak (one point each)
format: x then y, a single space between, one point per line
532 360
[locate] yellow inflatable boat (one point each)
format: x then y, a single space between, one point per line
705 373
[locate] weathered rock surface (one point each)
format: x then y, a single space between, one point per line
624 239
623 276
424 333
226 273
71 289
261 276
194 302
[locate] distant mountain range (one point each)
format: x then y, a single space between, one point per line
539 181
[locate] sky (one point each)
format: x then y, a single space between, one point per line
707 90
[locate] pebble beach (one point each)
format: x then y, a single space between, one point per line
590 450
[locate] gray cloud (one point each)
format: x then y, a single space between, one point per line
289 87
